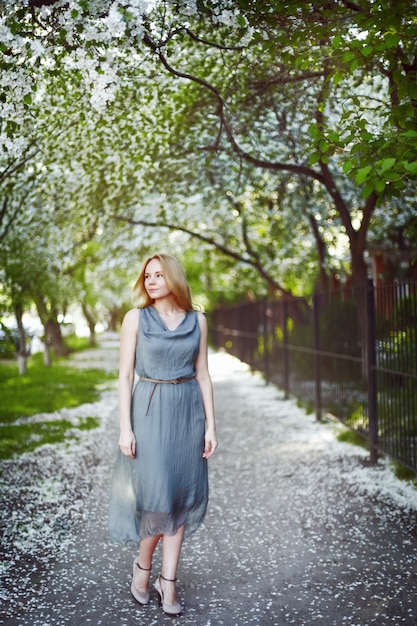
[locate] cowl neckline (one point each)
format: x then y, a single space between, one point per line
180 328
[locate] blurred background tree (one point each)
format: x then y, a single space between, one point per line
268 145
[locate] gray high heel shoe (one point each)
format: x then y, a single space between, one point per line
169 609
141 597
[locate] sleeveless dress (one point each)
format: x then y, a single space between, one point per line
166 485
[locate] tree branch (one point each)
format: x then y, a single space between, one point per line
211 242
267 165
366 218
17 164
212 44
328 179
352 5
264 85
37 4
12 217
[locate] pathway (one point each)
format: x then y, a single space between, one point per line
299 529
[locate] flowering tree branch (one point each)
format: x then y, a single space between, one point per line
252 260
221 108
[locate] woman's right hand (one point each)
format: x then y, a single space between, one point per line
127 444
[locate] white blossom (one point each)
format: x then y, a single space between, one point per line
114 22
6 36
37 47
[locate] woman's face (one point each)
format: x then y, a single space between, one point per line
154 282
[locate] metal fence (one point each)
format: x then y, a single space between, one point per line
351 354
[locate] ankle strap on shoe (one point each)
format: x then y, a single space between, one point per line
145 569
169 580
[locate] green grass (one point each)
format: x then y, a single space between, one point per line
307 405
404 473
401 471
75 344
20 438
45 390
350 436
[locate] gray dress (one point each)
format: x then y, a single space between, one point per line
166 485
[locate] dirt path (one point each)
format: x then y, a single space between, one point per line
105 356
299 530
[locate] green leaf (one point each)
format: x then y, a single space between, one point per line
338 77
362 174
397 77
412 90
348 56
324 146
313 129
393 176
347 166
354 65
367 51
379 185
367 189
27 98
397 184
410 166
392 40
333 136
314 158
386 164
14 28
337 42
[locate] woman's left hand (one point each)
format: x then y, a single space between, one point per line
210 444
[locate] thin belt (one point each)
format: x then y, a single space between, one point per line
173 381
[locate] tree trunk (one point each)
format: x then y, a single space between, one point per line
46 355
115 318
22 364
359 269
21 351
321 253
21 345
92 340
55 339
91 321
359 276
52 327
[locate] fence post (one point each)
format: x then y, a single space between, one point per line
371 372
317 372
286 359
266 341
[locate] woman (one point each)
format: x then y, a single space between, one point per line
167 428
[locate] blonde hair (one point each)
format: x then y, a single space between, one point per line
175 279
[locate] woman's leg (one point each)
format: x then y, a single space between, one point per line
146 549
171 550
